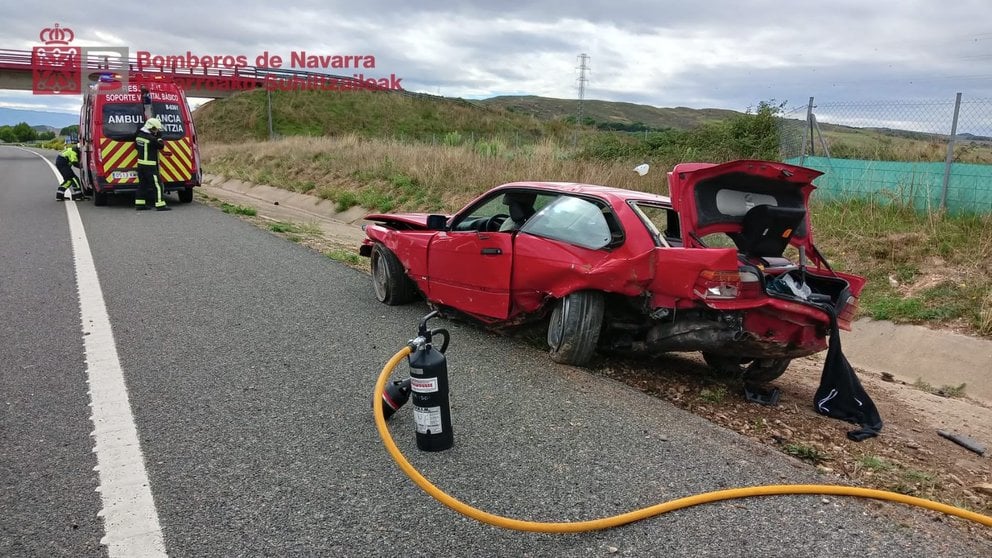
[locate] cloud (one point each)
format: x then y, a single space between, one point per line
718 53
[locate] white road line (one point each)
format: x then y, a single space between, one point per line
130 521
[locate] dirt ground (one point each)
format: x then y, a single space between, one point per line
909 456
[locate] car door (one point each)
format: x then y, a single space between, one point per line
469 269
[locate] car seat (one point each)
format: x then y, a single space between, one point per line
521 208
767 229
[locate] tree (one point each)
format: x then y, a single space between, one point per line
756 134
7 134
70 130
23 132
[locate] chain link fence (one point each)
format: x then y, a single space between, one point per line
928 154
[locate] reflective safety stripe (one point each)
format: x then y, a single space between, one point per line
117 155
142 144
176 163
158 192
139 201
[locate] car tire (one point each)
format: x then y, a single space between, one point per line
574 328
758 370
389 280
99 198
186 195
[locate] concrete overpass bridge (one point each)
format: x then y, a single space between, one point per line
18 70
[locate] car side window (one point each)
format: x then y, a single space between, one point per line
504 212
576 221
482 216
663 222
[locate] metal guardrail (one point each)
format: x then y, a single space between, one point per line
23 61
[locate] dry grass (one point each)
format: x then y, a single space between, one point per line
409 176
985 316
854 143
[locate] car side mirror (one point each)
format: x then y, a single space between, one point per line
437 222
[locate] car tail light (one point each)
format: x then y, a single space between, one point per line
714 284
750 284
848 310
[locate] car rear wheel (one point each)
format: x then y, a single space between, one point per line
390 282
574 327
186 195
757 370
99 198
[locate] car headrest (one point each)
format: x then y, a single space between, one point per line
521 205
767 229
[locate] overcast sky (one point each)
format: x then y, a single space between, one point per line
710 53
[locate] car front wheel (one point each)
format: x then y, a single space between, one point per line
574 327
756 370
389 280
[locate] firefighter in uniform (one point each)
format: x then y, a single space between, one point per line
149 143
64 162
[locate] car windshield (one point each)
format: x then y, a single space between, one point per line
573 220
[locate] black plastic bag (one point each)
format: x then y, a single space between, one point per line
840 394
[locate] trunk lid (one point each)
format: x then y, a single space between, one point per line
720 198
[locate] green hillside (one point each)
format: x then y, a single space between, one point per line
515 120
609 112
244 116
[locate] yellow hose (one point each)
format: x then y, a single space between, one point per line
643 513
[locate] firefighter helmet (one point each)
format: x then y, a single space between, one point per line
153 124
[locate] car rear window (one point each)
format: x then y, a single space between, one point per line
122 120
172 119
661 221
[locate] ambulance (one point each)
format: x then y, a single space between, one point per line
108 121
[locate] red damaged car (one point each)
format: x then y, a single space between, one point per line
709 269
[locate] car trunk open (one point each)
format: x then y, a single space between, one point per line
763 207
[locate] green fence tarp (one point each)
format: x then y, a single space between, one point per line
920 184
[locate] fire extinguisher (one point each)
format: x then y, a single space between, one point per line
428 384
429 389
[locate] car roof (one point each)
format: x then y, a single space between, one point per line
607 192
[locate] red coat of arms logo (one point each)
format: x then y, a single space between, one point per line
57 66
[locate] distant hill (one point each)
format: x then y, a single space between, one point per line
606 112
35 118
430 118
364 113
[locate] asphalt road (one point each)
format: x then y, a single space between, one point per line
249 361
